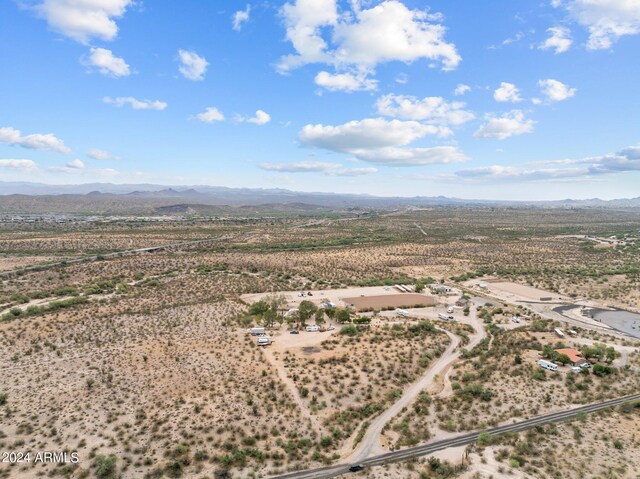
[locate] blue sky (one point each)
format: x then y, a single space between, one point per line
516 100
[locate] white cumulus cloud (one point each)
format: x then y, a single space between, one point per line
135 103
75 164
193 66
461 89
210 114
260 118
506 125
365 134
394 156
380 141
18 164
507 92
97 154
362 38
625 160
347 82
559 40
83 19
35 141
555 90
433 109
240 17
605 20
107 63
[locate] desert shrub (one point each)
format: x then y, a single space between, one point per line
423 327
349 330
105 466
602 370
19 298
539 375
485 439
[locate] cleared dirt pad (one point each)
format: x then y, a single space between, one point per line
523 291
390 301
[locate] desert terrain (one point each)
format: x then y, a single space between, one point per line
128 341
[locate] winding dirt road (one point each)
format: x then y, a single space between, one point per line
370 443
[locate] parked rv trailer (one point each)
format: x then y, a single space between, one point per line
443 316
313 328
264 341
257 331
547 365
559 332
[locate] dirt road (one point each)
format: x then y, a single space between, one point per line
370 443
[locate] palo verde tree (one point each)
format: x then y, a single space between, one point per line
319 316
306 310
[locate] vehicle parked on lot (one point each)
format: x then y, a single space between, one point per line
257 331
294 331
356 468
313 328
443 316
264 341
544 364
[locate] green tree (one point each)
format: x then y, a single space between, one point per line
269 317
259 308
602 370
610 354
343 315
276 301
306 310
419 286
320 317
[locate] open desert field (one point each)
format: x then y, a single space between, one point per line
520 292
142 362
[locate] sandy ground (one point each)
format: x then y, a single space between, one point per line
521 292
372 443
9 263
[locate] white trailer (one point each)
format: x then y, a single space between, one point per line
544 364
402 312
264 341
443 316
257 331
559 332
327 304
312 329
450 309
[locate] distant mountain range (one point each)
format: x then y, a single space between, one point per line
105 197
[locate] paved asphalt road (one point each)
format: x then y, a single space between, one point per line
423 450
